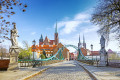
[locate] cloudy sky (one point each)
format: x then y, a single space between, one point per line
73 19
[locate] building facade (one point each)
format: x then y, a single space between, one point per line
50 47
46 45
47 41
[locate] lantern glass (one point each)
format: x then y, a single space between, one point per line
34 42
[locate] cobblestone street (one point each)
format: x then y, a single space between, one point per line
68 70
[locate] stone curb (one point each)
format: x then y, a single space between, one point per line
34 74
92 75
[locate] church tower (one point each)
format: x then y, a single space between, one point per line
41 39
56 35
84 44
79 44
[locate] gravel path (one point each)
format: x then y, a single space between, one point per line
68 70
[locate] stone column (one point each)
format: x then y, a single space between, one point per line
14 51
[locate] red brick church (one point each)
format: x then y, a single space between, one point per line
47 41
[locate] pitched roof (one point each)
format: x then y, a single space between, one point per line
71 53
40 43
51 42
84 51
40 47
110 51
94 53
46 38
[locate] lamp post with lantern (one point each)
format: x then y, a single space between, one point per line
92 50
34 42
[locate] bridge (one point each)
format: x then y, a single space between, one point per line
59 55
62 70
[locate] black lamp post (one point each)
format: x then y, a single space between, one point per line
34 42
92 50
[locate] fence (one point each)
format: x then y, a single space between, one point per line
114 62
111 62
34 63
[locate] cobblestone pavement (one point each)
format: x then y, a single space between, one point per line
68 70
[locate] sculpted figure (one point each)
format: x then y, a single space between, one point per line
102 42
14 36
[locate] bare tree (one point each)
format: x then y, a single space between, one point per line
3 52
107 16
7 8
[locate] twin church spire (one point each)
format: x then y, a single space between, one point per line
82 44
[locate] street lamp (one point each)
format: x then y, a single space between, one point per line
92 50
34 42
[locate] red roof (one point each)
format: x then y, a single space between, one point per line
41 43
94 53
51 42
71 54
43 47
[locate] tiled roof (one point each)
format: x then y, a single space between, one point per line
84 51
46 38
41 43
94 53
46 47
71 54
51 42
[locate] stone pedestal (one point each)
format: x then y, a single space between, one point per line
14 51
103 59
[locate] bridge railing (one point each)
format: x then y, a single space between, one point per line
29 63
36 63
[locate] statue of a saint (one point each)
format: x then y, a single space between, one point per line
102 42
103 53
14 36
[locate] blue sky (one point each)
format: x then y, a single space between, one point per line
73 17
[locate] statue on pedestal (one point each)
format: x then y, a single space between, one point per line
103 53
14 36
14 49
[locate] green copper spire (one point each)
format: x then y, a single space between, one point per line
56 27
83 39
41 37
79 39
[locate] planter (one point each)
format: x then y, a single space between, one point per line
4 64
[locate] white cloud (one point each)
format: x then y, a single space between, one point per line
68 26
90 29
82 16
33 33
